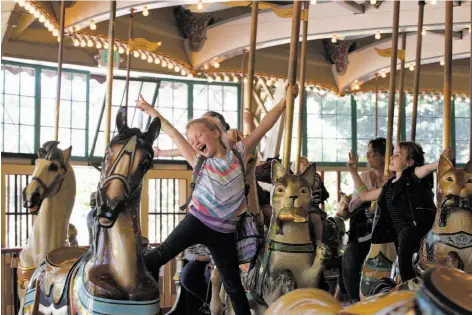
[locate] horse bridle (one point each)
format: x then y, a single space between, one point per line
102 212
47 190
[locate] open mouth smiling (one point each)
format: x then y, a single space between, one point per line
203 148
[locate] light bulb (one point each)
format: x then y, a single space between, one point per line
170 65
145 11
21 3
216 64
177 69
76 42
412 67
55 32
378 35
190 75
32 10
373 2
50 27
27 6
143 56
164 63
383 74
226 78
37 14
83 43
434 2
98 44
210 79
93 26
217 78
42 18
200 5
183 72
423 32
89 43
150 60
235 79
121 50
435 98
105 45
157 61
206 67
334 39
313 2
441 61
136 54
245 80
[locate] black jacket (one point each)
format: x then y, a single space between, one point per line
411 194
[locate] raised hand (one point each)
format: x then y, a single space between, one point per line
145 106
352 162
157 151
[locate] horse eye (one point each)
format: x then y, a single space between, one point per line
144 166
280 189
449 179
469 181
53 168
304 190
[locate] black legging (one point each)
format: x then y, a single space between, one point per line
352 262
222 247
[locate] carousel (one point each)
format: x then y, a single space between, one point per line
322 79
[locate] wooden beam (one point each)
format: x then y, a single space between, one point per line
455 35
24 21
259 102
353 6
268 91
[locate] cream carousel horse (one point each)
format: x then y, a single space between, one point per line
50 195
111 277
443 291
450 240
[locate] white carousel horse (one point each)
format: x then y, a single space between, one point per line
51 195
111 277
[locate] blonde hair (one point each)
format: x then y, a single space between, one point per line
210 124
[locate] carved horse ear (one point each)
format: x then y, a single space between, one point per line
67 154
277 171
153 131
309 174
468 167
444 165
121 119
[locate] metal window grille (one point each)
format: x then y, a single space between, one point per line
19 221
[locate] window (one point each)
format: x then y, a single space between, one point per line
19 110
462 129
365 112
328 127
72 112
429 124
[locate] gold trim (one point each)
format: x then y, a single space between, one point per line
25 268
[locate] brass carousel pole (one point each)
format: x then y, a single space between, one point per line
470 91
391 91
251 61
447 75
301 96
376 105
243 76
59 69
400 90
416 84
291 77
128 60
111 44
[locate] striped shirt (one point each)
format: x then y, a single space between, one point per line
218 198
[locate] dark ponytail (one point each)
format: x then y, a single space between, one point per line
220 117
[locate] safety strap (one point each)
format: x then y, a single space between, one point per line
196 173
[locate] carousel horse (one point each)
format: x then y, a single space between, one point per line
50 195
290 259
449 242
443 291
109 278
72 236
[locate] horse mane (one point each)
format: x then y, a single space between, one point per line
49 151
126 133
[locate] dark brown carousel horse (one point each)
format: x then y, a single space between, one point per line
111 277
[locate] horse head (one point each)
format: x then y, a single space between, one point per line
127 159
50 170
291 195
342 208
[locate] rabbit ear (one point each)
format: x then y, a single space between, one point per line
153 131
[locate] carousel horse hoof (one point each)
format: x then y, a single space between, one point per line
305 301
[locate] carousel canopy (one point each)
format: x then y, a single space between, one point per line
348 44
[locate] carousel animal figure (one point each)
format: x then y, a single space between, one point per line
50 195
449 242
110 278
72 236
444 290
290 259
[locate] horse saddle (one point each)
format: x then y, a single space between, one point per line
58 264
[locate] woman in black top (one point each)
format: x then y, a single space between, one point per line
405 207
